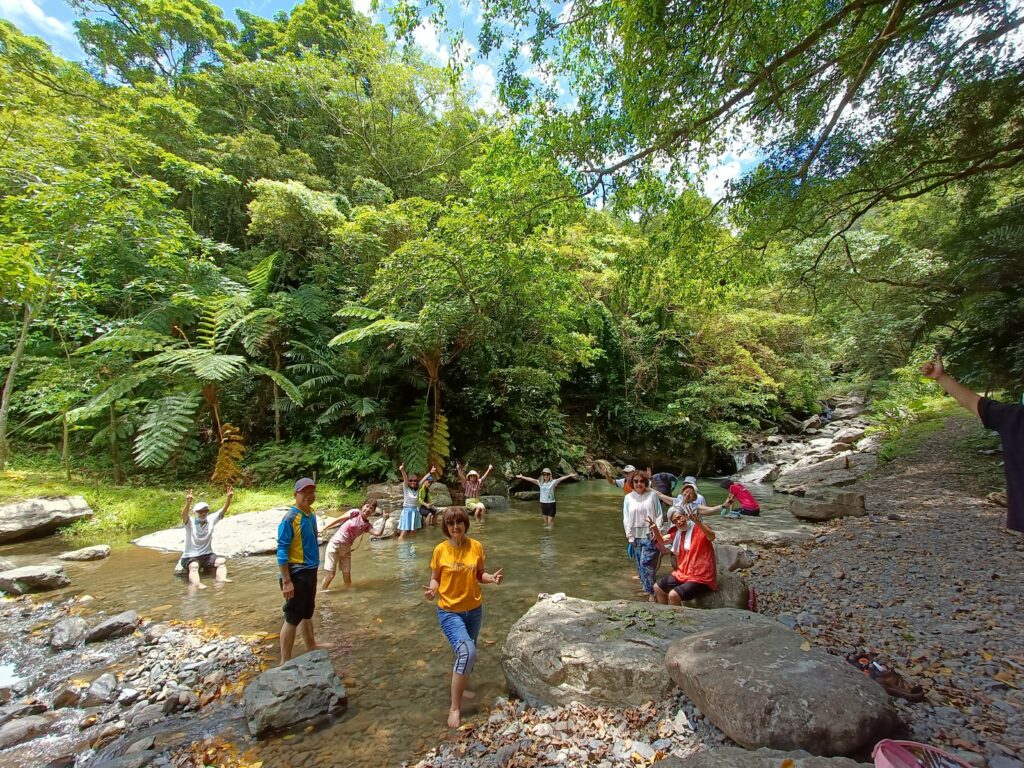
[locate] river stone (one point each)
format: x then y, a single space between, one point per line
732 592
597 653
21 709
25 728
102 691
130 760
735 757
849 435
752 680
33 578
812 423
440 496
67 633
757 473
98 552
69 695
33 518
300 689
837 471
6 565
116 626
828 504
732 558
252 533
527 495
494 502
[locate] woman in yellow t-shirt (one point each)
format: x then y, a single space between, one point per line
457 571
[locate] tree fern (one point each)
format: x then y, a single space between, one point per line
286 385
116 390
439 446
382 327
358 312
129 340
229 455
203 364
165 423
261 274
414 439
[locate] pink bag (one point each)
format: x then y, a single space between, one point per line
911 754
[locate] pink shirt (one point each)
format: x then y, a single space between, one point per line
743 496
351 529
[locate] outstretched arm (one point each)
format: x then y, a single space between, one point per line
934 370
486 472
565 477
227 502
187 508
667 499
528 479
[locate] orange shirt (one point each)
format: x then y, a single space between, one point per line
459 590
698 563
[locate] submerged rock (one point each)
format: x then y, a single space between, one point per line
495 502
734 757
754 680
298 690
33 578
527 495
33 518
6 565
98 552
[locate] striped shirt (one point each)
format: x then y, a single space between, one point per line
298 545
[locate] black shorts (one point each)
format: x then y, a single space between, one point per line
207 563
427 509
303 602
750 512
687 590
547 508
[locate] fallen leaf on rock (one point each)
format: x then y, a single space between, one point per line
805 646
787 763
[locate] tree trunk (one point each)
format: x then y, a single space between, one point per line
65 449
5 400
115 448
277 398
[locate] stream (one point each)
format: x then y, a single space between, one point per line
388 648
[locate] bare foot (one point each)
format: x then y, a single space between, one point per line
321 646
223 581
200 585
468 695
634 577
454 718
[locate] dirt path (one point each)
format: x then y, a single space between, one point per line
931 580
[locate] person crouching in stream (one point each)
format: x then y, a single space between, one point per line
638 506
199 555
456 573
690 540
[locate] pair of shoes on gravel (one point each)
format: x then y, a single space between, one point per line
891 680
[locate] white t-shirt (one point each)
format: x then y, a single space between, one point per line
199 534
410 497
547 491
700 501
635 511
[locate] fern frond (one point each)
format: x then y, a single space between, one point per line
129 340
203 364
229 455
114 391
414 438
383 327
284 383
308 302
358 312
206 333
165 424
259 276
439 445
257 327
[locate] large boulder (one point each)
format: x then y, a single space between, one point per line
527 495
732 592
757 473
103 690
837 471
598 653
98 552
298 690
252 533
828 504
25 728
33 578
33 518
849 435
121 625
754 679
732 558
495 502
67 633
734 757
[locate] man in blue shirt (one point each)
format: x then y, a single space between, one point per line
298 558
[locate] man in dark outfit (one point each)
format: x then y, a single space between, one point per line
1005 418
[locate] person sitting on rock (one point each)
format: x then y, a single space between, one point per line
1005 418
339 549
428 512
199 555
547 493
472 484
690 540
739 494
410 520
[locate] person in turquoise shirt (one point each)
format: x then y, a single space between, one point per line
298 558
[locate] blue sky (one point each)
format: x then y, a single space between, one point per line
53 20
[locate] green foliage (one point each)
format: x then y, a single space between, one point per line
370 192
165 424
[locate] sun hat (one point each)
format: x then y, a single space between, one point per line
629 468
472 472
690 480
545 471
202 506
304 483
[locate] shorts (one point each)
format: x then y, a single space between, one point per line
303 601
410 519
427 509
339 554
687 590
471 503
750 512
207 563
547 508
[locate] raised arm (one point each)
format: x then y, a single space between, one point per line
405 477
486 473
187 508
699 522
528 479
462 475
227 502
667 499
659 540
935 371
565 477
609 478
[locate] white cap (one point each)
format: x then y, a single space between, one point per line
629 468
202 506
690 480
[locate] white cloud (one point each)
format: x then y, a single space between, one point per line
426 37
27 13
718 175
481 77
363 6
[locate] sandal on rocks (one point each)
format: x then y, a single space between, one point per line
891 680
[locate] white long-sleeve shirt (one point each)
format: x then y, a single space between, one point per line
635 511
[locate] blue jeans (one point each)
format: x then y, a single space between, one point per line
645 555
462 630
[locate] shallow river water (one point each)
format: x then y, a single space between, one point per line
388 648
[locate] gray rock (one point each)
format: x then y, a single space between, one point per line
828 504
151 713
24 729
837 471
252 533
116 626
140 746
68 696
732 592
300 689
757 473
812 423
527 495
33 518
130 760
67 633
598 653
98 552
6 565
732 558
23 709
33 578
1002 761
849 435
734 757
102 691
495 502
752 680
